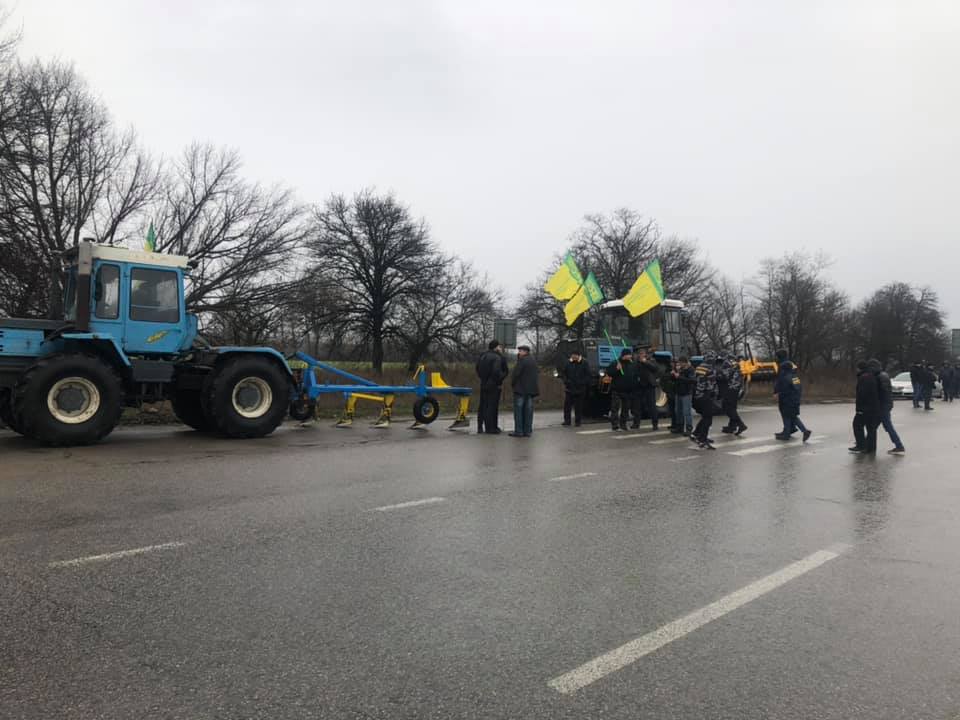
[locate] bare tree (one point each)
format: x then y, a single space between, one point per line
245 239
381 257
718 319
59 154
900 324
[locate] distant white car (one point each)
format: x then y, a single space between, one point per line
903 388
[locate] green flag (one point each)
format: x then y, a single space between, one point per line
565 282
647 291
150 245
587 296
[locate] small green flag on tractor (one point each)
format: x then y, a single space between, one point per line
586 297
647 291
150 245
566 281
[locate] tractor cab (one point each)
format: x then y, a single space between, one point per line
134 298
660 329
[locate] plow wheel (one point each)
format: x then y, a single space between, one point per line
426 410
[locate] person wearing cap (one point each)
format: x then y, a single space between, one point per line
788 391
492 371
705 397
623 386
526 386
576 381
645 397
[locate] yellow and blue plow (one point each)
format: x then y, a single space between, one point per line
426 387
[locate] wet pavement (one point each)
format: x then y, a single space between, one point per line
323 573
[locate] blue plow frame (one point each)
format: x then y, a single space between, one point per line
358 387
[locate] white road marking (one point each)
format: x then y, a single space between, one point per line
572 477
685 458
593 432
411 503
641 435
635 649
116 555
669 441
780 445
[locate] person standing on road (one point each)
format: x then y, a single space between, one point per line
946 382
646 393
492 371
788 391
705 396
869 409
526 386
886 406
730 381
928 380
916 380
623 385
684 380
668 385
576 381
955 385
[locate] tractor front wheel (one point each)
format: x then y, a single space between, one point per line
68 400
426 410
247 397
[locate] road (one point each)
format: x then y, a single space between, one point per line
324 573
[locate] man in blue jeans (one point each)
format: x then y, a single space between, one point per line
526 387
788 391
886 407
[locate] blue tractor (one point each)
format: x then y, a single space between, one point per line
126 338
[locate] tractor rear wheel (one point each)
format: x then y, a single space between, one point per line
426 410
247 397
68 400
188 407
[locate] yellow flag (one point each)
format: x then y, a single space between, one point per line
565 282
647 291
586 297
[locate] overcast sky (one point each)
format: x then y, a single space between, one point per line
755 127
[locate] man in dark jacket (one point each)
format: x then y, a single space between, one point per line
788 390
684 379
526 386
492 371
946 382
886 406
730 382
623 385
869 410
916 380
705 397
576 378
928 381
646 393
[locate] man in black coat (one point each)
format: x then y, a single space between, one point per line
928 381
916 380
946 382
645 397
623 386
576 378
492 371
869 410
526 386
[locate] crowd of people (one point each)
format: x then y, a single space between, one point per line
712 387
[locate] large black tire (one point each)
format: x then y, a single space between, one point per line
188 407
426 410
6 412
247 396
68 400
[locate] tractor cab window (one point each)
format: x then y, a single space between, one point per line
154 296
618 324
70 296
106 292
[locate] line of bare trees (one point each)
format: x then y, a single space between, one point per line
352 277
789 303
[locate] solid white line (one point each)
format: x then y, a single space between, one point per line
635 649
593 432
572 477
781 445
116 555
412 503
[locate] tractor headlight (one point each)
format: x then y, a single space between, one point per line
603 373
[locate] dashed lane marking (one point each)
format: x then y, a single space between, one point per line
641 434
593 432
410 504
780 445
572 477
632 651
105 557
685 458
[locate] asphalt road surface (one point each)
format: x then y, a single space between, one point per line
323 573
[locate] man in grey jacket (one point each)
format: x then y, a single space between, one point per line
526 387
